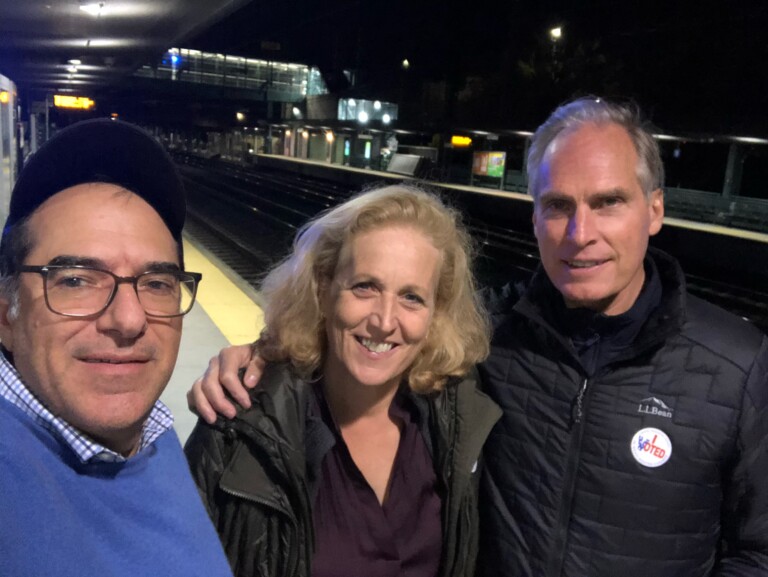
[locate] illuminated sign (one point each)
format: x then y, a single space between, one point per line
4 97
489 164
65 101
460 141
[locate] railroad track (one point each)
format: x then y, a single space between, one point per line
248 218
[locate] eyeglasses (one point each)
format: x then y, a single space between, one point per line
83 291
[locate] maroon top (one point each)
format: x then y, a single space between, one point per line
354 535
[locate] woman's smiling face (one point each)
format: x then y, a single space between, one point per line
379 305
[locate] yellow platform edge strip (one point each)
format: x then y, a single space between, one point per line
238 318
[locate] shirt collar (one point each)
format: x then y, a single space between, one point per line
13 390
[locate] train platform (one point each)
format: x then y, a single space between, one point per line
226 312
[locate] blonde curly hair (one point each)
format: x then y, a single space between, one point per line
460 331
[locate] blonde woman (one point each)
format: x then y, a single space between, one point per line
358 454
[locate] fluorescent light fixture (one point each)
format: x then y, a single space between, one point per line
665 137
750 140
93 8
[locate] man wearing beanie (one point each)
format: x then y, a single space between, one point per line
92 294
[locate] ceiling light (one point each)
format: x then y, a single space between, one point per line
93 8
75 62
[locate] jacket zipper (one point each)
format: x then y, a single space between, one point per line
292 561
580 402
560 540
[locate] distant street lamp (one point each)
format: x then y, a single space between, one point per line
405 65
555 34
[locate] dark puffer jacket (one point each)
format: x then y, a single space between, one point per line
563 493
258 472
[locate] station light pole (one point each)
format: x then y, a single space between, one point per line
555 34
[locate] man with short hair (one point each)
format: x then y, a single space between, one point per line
635 416
92 293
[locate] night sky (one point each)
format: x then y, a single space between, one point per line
695 67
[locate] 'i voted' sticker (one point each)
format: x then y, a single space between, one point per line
651 447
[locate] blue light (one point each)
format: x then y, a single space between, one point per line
175 59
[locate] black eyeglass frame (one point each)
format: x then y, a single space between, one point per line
43 271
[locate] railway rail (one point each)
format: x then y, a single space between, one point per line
247 218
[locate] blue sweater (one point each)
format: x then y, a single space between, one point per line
60 517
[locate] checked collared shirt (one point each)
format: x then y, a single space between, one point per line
13 390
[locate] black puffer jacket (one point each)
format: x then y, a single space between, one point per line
257 473
563 492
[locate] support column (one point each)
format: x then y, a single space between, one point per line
734 170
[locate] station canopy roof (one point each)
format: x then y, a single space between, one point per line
85 45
